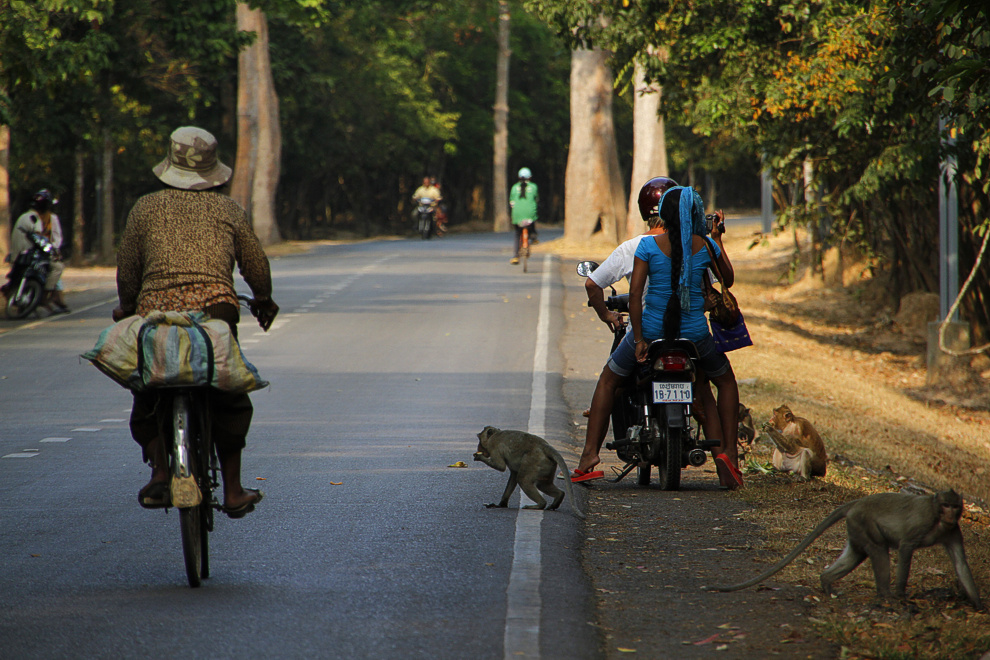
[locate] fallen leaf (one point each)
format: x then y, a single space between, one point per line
708 640
259 478
336 483
623 650
721 647
458 464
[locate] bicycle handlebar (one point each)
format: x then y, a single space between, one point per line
264 312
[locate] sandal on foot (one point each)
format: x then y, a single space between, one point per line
247 507
579 476
728 472
155 495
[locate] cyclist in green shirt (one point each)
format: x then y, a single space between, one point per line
523 199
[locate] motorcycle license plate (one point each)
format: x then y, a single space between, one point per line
672 392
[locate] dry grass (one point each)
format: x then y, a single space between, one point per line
835 357
938 623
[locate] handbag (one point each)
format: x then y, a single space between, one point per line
721 307
729 338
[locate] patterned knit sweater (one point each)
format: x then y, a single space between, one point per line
179 249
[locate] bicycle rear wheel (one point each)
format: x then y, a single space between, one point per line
194 520
524 250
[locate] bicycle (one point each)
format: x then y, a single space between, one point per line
184 416
524 247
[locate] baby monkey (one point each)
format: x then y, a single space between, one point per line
532 463
877 523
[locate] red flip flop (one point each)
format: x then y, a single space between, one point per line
725 468
578 476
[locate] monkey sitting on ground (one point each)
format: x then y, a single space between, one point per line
877 523
798 447
746 432
532 463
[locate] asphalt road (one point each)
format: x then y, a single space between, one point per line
387 360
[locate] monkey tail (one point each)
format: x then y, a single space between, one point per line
832 518
568 486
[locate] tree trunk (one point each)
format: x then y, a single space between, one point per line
649 147
259 136
106 218
5 224
500 181
78 221
593 194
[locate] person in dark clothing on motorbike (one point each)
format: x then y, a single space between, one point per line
40 219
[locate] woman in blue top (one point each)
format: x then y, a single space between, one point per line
675 263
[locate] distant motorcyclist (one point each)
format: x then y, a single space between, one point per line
429 190
40 219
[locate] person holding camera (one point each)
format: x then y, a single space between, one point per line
674 306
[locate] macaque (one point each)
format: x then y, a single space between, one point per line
798 447
746 432
532 463
875 524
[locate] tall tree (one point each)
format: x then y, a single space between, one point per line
593 197
649 145
500 179
259 134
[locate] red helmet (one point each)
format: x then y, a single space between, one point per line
650 194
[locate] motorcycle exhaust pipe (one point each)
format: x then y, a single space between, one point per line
696 457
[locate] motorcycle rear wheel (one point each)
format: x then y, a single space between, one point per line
20 306
425 226
669 470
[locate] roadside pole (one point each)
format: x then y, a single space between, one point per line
766 196
956 332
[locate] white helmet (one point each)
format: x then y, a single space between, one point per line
524 173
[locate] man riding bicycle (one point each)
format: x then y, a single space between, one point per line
177 254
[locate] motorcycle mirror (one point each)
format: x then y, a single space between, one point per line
586 268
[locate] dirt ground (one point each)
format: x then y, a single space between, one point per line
856 368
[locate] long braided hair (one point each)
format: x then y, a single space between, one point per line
682 213
670 217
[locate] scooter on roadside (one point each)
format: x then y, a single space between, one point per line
652 423
25 287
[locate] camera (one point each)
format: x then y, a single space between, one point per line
710 221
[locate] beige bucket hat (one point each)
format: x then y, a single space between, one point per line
192 162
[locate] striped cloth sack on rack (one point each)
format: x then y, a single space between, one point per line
174 349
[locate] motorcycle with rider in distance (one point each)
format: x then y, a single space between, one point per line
425 211
25 287
652 413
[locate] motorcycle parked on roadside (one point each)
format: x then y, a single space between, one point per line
652 425
25 287
425 211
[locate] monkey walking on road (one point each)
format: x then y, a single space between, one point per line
877 523
532 463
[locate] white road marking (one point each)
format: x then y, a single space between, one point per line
112 420
55 439
522 617
54 317
23 454
86 429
